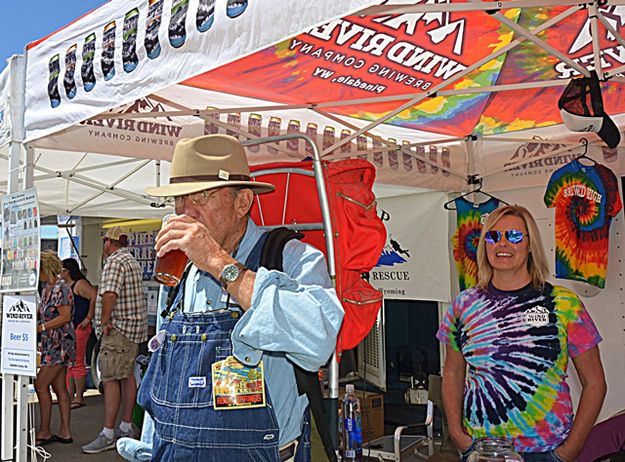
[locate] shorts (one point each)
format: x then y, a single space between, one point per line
117 356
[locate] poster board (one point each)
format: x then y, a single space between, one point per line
19 335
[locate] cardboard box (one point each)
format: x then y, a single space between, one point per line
371 412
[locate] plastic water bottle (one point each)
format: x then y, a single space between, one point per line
352 426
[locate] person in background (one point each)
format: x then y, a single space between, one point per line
84 310
58 349
233 321
516 332
605 441
123 321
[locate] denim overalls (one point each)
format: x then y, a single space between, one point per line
186 425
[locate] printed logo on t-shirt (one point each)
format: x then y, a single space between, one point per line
537 316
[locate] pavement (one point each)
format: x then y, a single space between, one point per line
85 425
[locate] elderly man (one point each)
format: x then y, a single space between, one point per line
123 322
221 384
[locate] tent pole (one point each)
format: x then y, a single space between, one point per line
594 32
380 10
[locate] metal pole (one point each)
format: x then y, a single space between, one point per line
329 237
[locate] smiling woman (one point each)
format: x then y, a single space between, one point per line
516 333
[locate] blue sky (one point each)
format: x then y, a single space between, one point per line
24 21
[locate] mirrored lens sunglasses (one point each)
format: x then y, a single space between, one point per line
514 236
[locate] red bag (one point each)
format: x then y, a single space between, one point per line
359 234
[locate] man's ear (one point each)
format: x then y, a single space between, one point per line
244 202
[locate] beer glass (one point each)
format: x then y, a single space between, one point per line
168 269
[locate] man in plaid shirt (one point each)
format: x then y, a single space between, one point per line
124 324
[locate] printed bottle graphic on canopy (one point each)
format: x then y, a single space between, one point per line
129 44
53 81
177 30
445 160
254 127
407 158
347 147
234 120
361 145
311 131
378 157
236 8
108 51
393 156
273 130
69 82
86 70
421 167
328 137
291 129
205 15
152 26
209 127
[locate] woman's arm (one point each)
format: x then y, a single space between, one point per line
86 290
590 372
453 396
65 316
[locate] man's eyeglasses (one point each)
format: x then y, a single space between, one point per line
514 236
199 199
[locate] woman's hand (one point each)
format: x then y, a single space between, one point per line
462 441
85 323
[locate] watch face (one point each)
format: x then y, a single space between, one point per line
230 273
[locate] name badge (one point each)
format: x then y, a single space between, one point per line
537 316
197 382
236 386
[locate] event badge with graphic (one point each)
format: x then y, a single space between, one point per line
19 335
236 386
20 242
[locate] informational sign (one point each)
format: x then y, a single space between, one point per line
21 243
19 335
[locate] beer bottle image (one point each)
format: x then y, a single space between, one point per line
347 147
361 146
273 129
152 26
434 158
378 157
69 82
311 131
86 70
108 51
421 166
254 127
177 30
393 156
53 81
236 8
129 44
446 160
205 15
211 128
291 129
234 120
407 158
328 137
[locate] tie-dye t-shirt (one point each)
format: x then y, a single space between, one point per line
469 220
586 198
517 345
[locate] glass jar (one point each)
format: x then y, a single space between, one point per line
492 449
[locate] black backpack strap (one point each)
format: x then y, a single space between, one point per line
173 292
307 382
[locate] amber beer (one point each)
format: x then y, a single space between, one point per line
168 269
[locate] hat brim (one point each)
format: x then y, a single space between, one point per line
609 132
182 189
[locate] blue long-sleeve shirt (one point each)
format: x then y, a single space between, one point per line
295 316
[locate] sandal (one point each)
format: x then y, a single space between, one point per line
44 441
76 404
59 439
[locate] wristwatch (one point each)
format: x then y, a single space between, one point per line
231 273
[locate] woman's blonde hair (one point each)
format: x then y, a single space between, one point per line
51 264
536 263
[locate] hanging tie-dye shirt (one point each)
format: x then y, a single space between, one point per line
586 198
517 345
469 220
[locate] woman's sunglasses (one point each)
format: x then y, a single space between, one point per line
514 236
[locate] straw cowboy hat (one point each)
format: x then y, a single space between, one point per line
208 162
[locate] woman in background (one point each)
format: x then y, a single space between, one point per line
84 310
516 332
58 348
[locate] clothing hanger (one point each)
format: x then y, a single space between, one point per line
472 179
583 155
